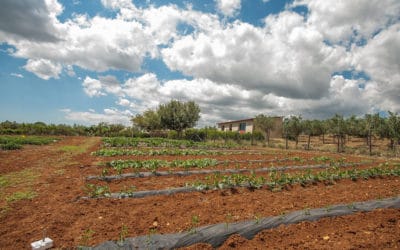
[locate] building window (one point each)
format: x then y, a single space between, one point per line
222 128
230 127
242 126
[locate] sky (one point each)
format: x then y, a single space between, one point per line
91 61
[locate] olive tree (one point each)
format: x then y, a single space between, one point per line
178 116
265 124
292 128
149 120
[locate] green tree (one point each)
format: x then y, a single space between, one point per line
265 124
310 128
338 128
148 121
178 116
393 126
293 128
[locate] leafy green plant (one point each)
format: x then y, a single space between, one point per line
10 146
95 191
194 223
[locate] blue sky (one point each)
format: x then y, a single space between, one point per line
94 61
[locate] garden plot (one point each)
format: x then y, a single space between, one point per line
167 177
270 178
72 221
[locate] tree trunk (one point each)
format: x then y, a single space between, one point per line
267 134
338 144
308 142
343 142
370 143
323 138
297 141
286 139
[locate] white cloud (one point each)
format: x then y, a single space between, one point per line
340 20
289 64
112 116
92 87
287 58
101 43
380 61
124 102
228 7
43 68
17 75
70 71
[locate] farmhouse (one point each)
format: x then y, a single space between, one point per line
247 126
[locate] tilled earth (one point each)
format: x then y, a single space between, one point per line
71 221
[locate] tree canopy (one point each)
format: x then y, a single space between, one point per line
174 115
265 124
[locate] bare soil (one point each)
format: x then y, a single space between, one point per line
67 219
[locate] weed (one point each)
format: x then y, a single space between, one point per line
95 191
86 237
73 149
228 219
122 234
257 218
195 222
20 195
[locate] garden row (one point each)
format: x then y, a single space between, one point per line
163 142
274 180
119 166
16 142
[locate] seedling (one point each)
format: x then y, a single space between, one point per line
228 218
195 222
123 233
257 218
86 237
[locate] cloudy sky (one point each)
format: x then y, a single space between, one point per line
90 61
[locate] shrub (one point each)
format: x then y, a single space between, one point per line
195 135
172 134
11 146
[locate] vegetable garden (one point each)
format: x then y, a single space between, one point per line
204 168
162 193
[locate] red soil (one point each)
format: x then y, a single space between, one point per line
58 210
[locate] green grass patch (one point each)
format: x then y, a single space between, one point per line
10 146
73 149
32 140
26 177
21 195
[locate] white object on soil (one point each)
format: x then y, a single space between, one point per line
42 244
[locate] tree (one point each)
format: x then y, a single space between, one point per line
393 125
149 120
266 124
338 128
310 128
178 116
293 128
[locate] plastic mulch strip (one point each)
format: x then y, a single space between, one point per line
217 234
205 171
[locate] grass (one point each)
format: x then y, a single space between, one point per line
26 176
23 179
74 149
21 195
